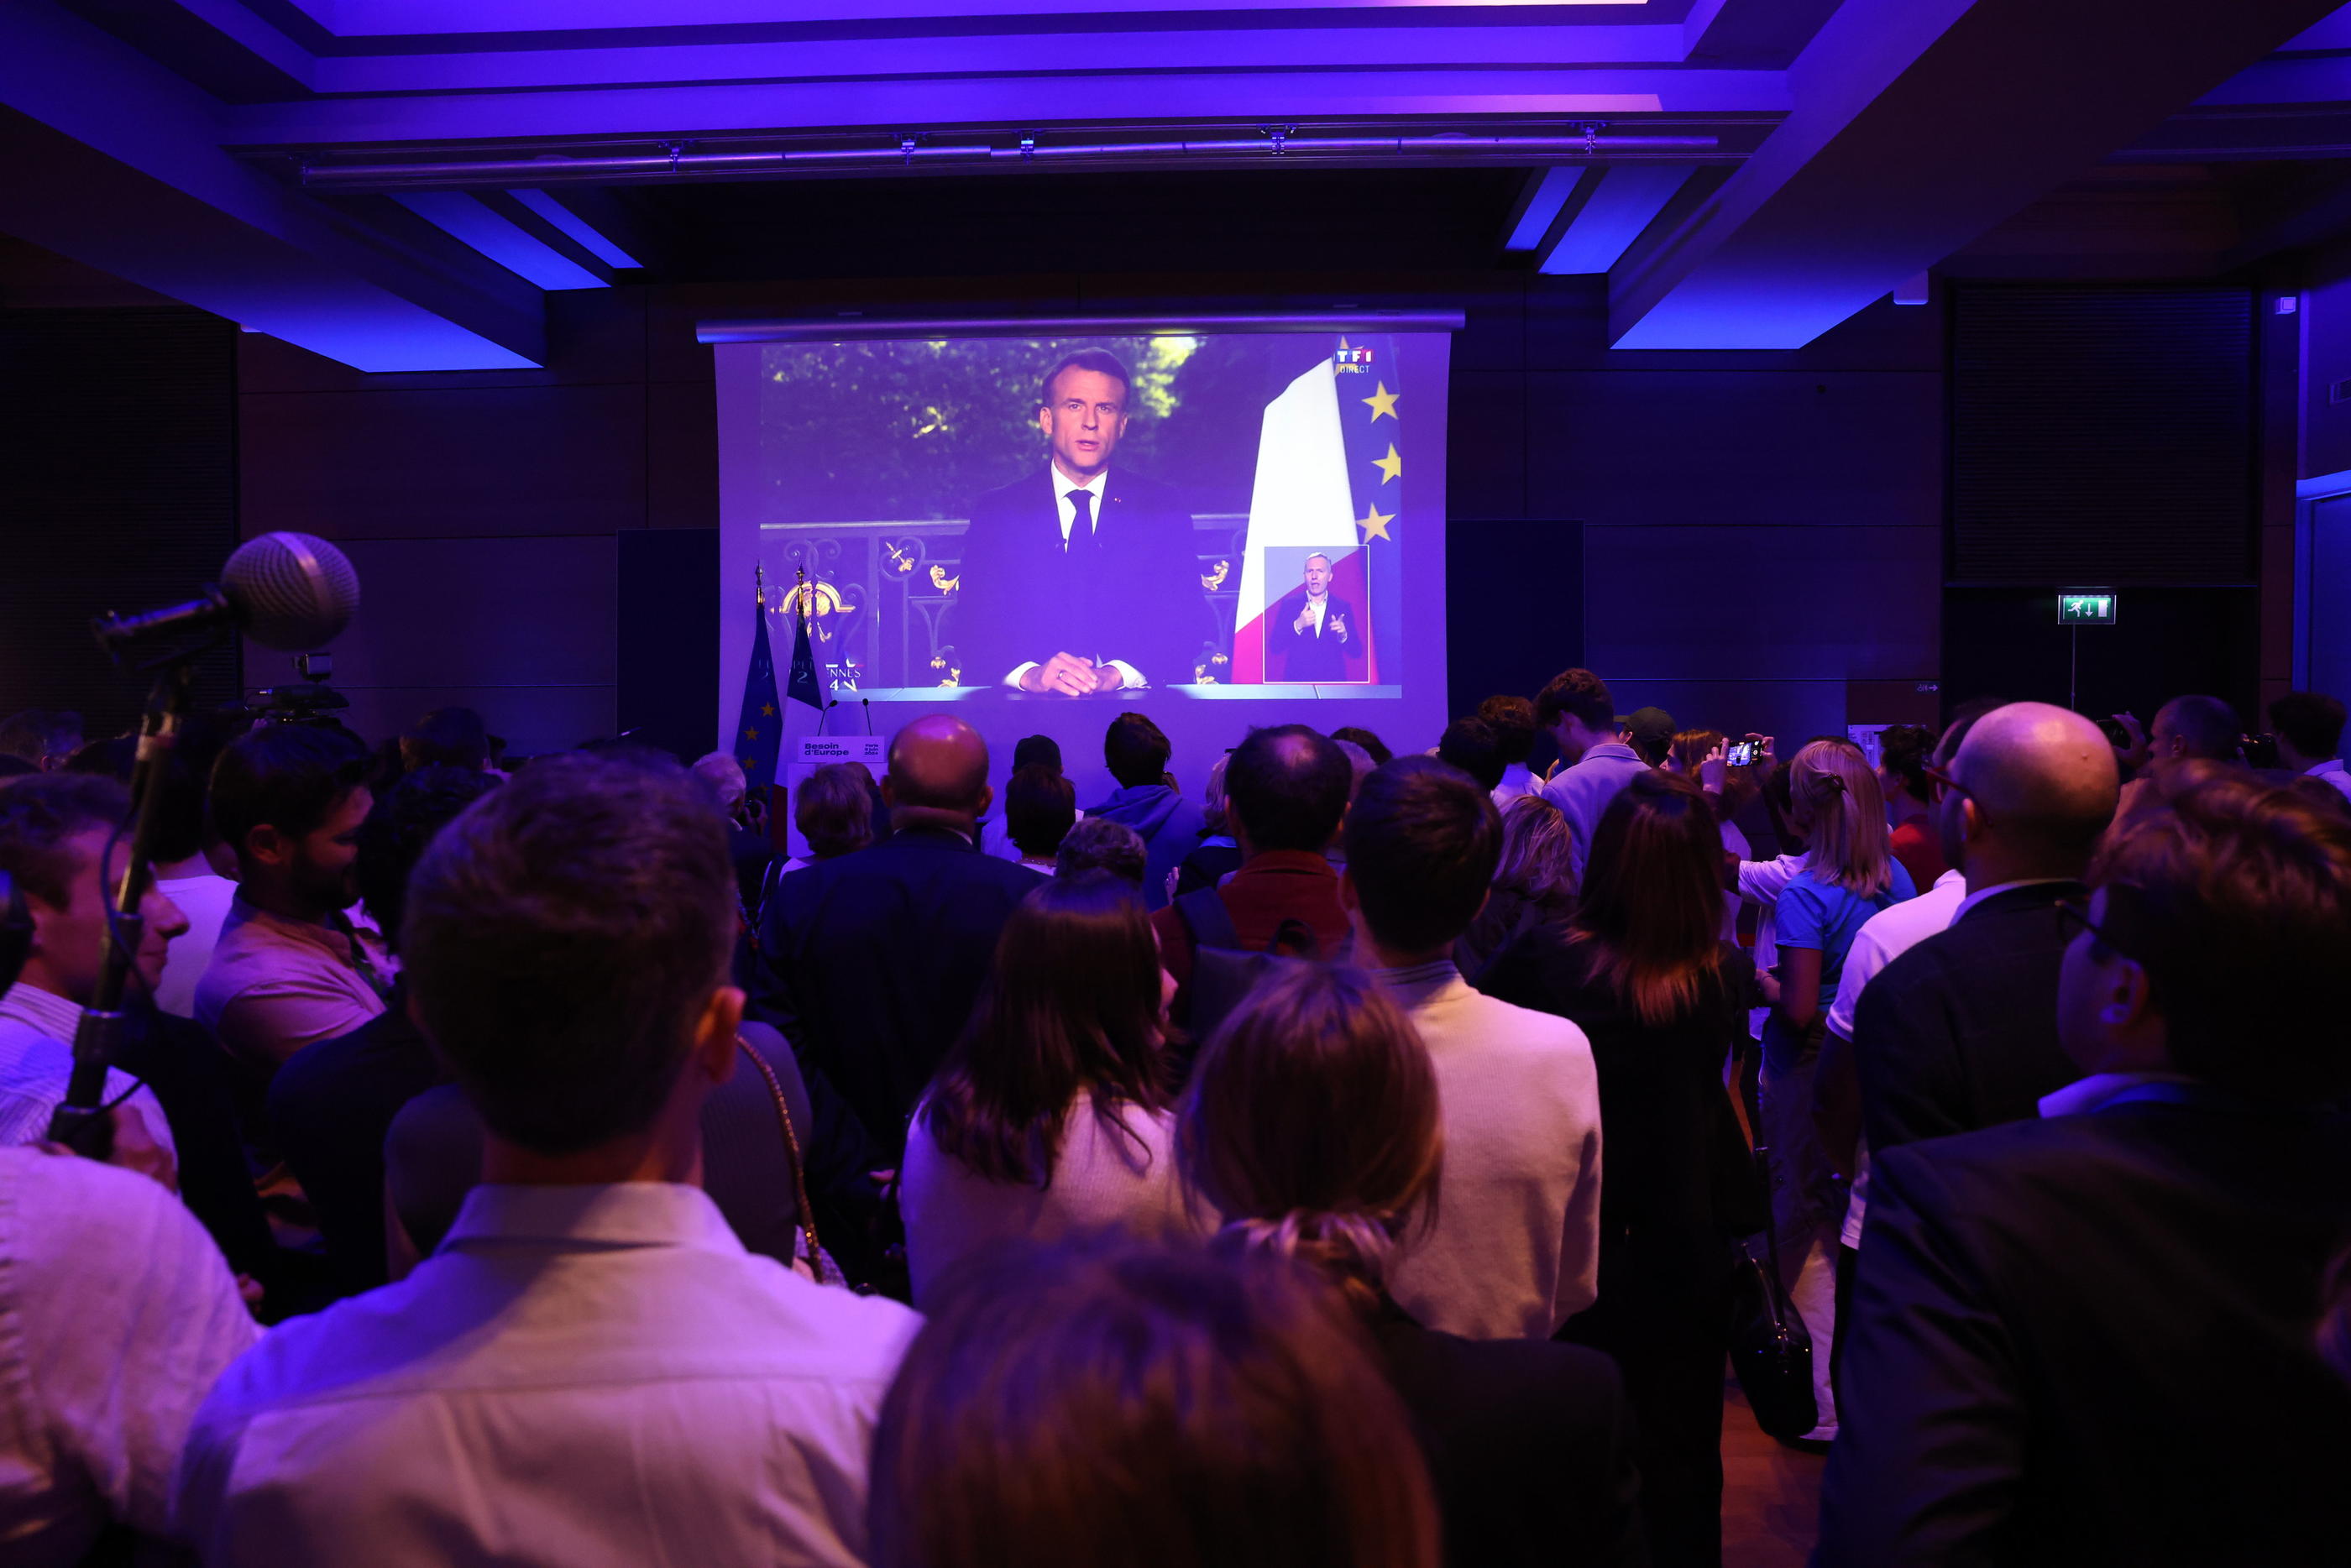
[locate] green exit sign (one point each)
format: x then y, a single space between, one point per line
2086 607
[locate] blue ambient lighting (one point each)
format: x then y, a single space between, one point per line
524 255
1550 196
577 227
1628 198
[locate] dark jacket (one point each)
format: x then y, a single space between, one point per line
1961 1031
2088 1340
879 956
1529 1444
1169 825
433 1155
1317 653
1134 594
329 1107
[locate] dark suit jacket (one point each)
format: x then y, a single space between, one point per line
1529 1444
1135 595
1961 1031
879 956
1315 654
2088 1341
329 1107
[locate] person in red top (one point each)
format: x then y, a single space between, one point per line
1285 795
1903 752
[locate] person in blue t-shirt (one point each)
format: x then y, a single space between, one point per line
1849 876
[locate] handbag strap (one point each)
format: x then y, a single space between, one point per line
792 1143
1770 1227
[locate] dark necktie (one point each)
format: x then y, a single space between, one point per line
1081 526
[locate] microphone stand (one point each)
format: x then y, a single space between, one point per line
81 1122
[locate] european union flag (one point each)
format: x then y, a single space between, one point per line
804 685
760 729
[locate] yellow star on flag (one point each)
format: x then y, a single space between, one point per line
1389 466
767 710
750 734
1375 526
1342 344
1381 401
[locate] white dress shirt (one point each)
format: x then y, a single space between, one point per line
2332 770
1517 779
37 1031
1883 938
116 1315
204 899
581 1376
1098 488
1515 1251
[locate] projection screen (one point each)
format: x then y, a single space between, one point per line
1223 523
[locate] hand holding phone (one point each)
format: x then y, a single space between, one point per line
1743 753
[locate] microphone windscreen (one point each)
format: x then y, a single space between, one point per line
291 591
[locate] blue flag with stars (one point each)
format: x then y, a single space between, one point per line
760 729
802 685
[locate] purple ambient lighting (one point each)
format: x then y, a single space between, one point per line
466 220
577 227
1627 200
1557 186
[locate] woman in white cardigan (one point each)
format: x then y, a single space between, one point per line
1052 1113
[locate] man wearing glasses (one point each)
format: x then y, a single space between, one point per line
2091 1336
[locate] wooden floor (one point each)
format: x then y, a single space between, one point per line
1770 1494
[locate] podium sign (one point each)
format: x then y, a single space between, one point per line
803 754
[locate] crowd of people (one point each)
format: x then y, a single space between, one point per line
1365 1163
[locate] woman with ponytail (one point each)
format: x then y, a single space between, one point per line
1312 1125
1850 875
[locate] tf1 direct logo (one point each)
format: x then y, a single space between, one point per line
1351 360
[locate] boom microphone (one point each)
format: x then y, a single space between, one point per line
290 591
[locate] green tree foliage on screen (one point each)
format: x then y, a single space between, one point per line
907 431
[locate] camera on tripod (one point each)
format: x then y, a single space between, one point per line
300 704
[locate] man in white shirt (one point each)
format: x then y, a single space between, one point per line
1514 1252
590 1369
1512 720
53 831
116 1315
2309 728
1579 713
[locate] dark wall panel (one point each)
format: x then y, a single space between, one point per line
669 614
1743 447
419 463
2103 435
118 491
1514 595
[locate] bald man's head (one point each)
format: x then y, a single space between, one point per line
938 762
2040 787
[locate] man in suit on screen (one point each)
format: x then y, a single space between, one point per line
1316 631
1081 577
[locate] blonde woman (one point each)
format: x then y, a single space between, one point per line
1851 874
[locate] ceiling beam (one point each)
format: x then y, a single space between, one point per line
107 158
1625 200
1881 168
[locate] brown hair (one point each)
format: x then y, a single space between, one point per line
1422 843
1579 693
1099 843
1071 1005
1104 1404
40 813
834 809
561 937
1040 805
1513 719
1538 849
1834 797
1311 1124
2236 900
1651 903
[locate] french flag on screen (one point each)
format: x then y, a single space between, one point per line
1328 479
